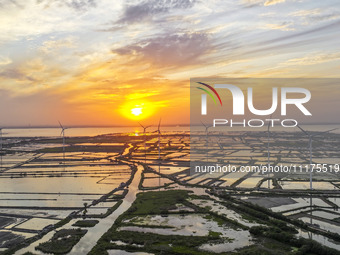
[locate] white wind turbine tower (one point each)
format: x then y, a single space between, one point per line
144 131
159 149
206 134
63 134
268 138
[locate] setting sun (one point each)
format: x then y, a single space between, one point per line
137 111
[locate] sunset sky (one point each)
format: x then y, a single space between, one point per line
104 62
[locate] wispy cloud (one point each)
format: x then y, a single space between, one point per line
316 15
313 59
5 60
273 2
55 45
145 10
262 2
285 26
6 3
79 5
169 50
15 74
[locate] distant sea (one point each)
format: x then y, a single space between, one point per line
83 131
93 131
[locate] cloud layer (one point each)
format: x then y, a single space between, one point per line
83 60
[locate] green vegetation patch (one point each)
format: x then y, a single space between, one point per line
212 217
274 237
62 241
153 243
214 234
85 223
155 202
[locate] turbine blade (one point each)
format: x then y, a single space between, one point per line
159 123
60 125
324 132
305 132
141 125
204 124
269 122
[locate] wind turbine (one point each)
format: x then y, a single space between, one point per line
220 144
268 138
159 149
310 138
206 133
63 134
144 129
310 141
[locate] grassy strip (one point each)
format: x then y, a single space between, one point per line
85 223
62 222
118 197
62 241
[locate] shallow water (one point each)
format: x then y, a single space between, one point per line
250 182
305 185
84 131
91 237
222 210
321 239
323 225
300 202
36 223
155 182
59 214
54 185
242 239
326 215
187 225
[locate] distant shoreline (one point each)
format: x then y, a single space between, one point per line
131 126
